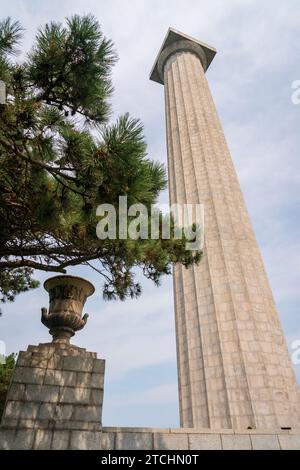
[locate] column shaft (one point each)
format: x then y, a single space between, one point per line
234 369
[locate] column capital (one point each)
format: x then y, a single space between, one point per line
176 41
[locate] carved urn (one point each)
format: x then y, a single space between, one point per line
67 296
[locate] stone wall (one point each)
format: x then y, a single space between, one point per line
197 439
116 438
55 402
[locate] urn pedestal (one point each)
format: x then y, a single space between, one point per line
56 394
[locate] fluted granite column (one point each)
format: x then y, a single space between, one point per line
234 369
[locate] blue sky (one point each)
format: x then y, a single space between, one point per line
251 77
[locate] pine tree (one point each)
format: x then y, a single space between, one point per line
60 158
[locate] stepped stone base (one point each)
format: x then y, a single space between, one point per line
54 399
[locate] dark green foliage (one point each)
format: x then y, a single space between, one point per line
6 371
60 158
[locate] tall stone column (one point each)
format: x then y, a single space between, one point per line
234 368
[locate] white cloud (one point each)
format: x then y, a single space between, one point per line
133 334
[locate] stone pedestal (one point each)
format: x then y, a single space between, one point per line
233 364
56 393
55 399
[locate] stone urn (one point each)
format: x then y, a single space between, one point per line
67 296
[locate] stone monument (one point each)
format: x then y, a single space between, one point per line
56 394
233 364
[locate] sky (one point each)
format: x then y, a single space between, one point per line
251 80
